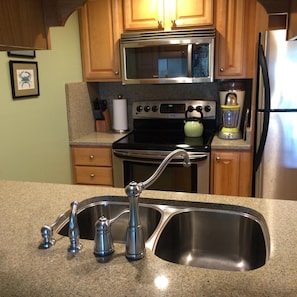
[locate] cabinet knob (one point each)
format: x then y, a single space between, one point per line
92 175
222 69
91 157
218 158
117 72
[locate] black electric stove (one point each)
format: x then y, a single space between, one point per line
159 126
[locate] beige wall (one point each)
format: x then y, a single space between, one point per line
34 132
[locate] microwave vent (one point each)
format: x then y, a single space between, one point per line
176 34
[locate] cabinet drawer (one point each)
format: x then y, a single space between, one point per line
92 156
93 175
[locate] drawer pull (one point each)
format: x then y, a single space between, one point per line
92 175
91 157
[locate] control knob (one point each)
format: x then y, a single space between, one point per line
147 108
155 108
207 108
139 108
199 108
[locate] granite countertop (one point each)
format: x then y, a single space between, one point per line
27 271
225 144
98 138
107 138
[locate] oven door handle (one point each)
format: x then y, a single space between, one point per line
157 156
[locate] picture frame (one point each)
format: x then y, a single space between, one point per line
24 79
22 54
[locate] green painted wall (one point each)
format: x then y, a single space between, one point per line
33 132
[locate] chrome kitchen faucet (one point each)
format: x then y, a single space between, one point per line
135 243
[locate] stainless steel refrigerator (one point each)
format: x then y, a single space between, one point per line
275 161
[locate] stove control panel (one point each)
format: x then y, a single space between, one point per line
173 109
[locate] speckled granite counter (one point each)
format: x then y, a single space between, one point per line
27 271
98 138
106 139
225 144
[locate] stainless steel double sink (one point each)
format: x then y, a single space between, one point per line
207 235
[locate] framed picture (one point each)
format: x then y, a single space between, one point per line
24 79
22 54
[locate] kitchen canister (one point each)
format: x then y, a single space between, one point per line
120 117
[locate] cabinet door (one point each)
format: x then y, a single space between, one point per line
225 173
167 14
236 38
143 14
100 29
190 13
231 173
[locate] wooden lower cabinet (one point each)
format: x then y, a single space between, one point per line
92 165
231 172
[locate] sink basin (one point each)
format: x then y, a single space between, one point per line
88 215
232 240
206 235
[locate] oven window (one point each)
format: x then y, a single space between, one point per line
173 178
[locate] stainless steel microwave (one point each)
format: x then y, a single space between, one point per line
179 56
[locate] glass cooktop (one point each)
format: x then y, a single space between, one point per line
164 141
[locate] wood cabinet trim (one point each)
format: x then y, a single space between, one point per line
56 12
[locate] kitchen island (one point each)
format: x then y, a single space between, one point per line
27 271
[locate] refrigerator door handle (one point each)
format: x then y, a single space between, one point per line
267 100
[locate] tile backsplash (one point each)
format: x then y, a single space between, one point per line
79 97
109 91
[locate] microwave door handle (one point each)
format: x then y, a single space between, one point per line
190 50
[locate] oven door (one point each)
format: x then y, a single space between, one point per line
139 165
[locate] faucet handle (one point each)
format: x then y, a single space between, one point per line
103 239
103 246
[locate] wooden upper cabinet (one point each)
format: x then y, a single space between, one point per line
142 14
167 14
100 29
236 38
25 24
22 25
191 13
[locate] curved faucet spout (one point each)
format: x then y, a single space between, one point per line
163 165
135 245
